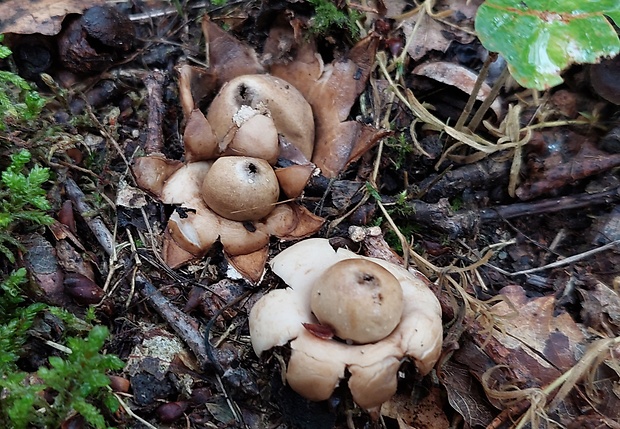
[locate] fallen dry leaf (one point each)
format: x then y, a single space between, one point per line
39 16
601 309
460 77
551 334
46 276
431 34
465 395
331 90
563 158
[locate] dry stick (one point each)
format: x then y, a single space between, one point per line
560 263
129 411
464 222
96 225
180 322
154 83
549 205
106 134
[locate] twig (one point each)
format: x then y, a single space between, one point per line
479 115
154 83
106 134
180 322
482 75
131 413
550 205
96 225
560 263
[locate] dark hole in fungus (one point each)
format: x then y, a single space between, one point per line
243 91
252 168
249 226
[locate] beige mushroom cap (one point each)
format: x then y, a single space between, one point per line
241 188
251 95
358 299
193 226
317 365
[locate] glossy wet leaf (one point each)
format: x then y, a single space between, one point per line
540 38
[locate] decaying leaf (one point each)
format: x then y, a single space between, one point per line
460 77
46 276
528 352
564 158
426 414
538 327
44 17
331 90
450 21
464 393
601 309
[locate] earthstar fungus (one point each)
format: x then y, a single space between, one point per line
318 364
228 190
283 105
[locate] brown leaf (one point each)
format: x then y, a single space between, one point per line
46 277
458 76
39 16
432 34
601 308
72 261
552 334
82 289
563 158
228 56
465 394
332 90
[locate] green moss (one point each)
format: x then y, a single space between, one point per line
327 16
18 101
74 383
22 199
77 383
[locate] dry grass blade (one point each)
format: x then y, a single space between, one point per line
585 368
510 395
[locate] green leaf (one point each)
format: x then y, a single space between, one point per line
540 38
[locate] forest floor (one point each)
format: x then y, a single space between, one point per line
518 237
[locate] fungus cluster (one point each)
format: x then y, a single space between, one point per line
228 189
294 120
343 311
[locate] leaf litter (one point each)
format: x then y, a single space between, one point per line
534 348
